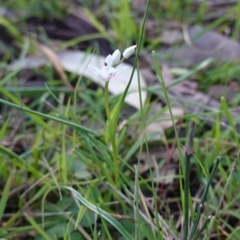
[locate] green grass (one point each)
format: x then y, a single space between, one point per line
67 172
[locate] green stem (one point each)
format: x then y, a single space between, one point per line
107 101
203 228
203 198
115 161
186 193
113 139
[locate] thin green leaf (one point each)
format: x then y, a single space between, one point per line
9 76
38 228
4 198
101 212
32 112
93 208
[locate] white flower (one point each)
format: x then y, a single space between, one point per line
108 71
129 51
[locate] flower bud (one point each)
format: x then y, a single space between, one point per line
129 51
116 57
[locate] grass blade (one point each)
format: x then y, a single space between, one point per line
37 227
32 112
93 208
9 76
203 198
186 193
4 197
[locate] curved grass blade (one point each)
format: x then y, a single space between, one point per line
9 76
4 198
203 199
103 214
63 121
37 227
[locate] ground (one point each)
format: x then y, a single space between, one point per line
150 154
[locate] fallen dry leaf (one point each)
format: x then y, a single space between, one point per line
157 155
217 91
186 96
154 131
54 59
202 44
217 2
170 37
78 61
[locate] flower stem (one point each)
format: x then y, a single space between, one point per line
107 101
112 138
115 161
186 192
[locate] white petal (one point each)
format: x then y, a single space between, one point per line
116 57
129 51
109 61
111 72
119 70
94 70
107 73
